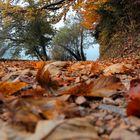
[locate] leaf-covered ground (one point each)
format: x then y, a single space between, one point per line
57 100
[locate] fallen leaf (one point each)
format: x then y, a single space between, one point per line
117 68
39 65
44 77
8 88
14 74
53 109
122 134
106 87
101 87
135 121
36 92
72 129
8 132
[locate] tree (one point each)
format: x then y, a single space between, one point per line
118 29
29 30
72 39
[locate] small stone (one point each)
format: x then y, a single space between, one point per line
80 100
108 117
118 101
84 77
105 137
109 129
77 80
99 123
133 128
101 131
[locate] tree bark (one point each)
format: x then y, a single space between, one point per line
42 44
38 53
81 47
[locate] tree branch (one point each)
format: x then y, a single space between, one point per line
73 54
52 6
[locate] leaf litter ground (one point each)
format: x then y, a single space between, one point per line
57 100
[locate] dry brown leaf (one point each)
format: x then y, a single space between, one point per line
106 87
7 132
8 88
34 109
72 129
55 68
37 92
117 68
39 64
9 76
101 87
53 109
48 78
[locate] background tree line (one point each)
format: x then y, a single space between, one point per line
28 27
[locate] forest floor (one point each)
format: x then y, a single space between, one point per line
57 100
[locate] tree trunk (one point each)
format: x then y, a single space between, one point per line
38 53
42 44
81 48
73 54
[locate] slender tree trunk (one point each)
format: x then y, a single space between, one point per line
38 53
77 49
44 53
42 44
81 47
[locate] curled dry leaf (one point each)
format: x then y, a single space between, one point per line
117 68
72 129
55 68
8 76
47 75
107 86
101 87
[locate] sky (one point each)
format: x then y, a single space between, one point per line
92 53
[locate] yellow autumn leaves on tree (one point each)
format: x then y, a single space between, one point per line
88 10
